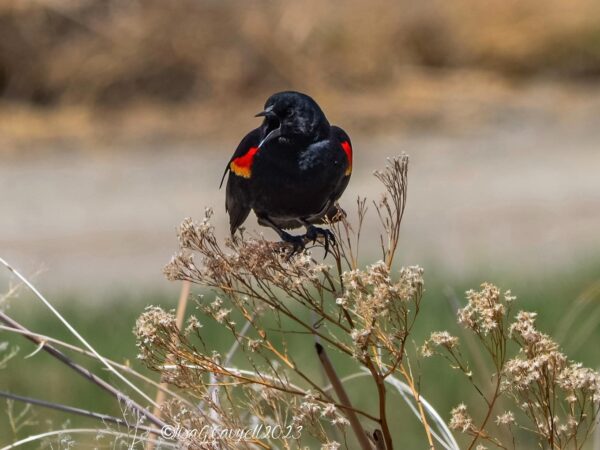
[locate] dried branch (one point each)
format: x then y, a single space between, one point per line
364 314
119 395
77 411
338 387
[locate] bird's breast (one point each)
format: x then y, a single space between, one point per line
296 181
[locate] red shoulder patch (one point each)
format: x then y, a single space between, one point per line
348 151
242 165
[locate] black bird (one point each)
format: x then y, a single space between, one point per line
291 170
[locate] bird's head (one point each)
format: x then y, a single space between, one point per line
293 115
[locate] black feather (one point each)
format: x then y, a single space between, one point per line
297 175
237 199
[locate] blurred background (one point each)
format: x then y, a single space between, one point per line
117 118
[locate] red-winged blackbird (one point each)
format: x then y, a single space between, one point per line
291 170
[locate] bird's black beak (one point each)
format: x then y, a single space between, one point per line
266 113
274 134
274 129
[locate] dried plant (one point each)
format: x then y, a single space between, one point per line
129 430
554 399
364 314
262 393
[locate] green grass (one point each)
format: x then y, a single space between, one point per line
108 324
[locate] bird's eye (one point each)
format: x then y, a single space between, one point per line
289 113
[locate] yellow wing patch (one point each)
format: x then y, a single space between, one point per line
240 171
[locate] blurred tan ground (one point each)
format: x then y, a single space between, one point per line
117 118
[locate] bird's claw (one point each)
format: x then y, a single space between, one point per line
313 233
297 243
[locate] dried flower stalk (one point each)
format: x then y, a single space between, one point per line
558 400
364 314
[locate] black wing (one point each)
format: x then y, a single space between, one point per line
334 212
237 194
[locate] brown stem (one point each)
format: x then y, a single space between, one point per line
381 392
77 411
181 307
252 293
84 372
249 380
488 415
121 367
180 315
409 380
338 387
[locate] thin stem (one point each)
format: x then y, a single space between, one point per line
179 316
416 395
47 339
488 415
250 379
291 316
121 396
77 411
74 332
381 392
67 431
338 387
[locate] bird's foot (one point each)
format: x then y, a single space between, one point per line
313 233
297 243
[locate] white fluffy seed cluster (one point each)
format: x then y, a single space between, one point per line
373 296
438 339
540 357
149 326
460 419
485 309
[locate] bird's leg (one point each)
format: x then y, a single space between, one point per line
297 242
313 233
